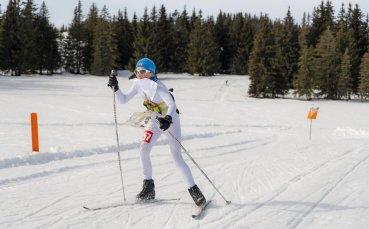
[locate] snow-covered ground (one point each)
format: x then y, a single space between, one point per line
257 152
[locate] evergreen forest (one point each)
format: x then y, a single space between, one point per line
324 54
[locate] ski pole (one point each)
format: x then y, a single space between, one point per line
117 137
197 165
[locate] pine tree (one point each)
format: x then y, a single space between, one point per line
344 78
358 41
235 40
181 39
11 39
1 39
105 50
210 62
76 36
264 66
89 26
141 40
327 64
241 59
278 83
161 40
221 30
29 58
203 50
124 36
341 30
68 53
304 80
364 76
323 18
290 48
46 42
303 32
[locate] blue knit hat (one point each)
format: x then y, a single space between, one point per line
146 63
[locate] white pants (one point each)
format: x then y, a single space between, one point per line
151 135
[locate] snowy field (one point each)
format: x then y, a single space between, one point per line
257 152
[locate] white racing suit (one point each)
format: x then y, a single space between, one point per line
158 93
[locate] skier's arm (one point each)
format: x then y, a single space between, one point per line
125 97
168 99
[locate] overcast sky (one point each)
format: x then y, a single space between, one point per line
61 11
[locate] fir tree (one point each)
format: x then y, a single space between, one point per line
290 48
11 39
344 78
303 32
264 66
235 40
304 80
1 39
241 59
161 41
210 52
124 36
89 26
278 83
29 57
181 39
194 50
105 50
341 30
364 76
76 36
46 42
141 40
327 64
323 18
221 30
68 53
358 41
203 50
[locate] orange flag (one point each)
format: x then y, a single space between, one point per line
313 112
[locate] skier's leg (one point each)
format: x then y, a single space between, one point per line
150 137
175 149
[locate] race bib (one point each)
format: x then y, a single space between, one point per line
147 136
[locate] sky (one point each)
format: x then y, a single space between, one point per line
61 12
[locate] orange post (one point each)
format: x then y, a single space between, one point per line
34 128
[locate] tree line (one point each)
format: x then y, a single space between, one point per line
323 56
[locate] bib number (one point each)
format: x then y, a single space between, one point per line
147 136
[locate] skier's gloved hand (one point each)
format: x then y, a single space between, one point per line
165 122
113 82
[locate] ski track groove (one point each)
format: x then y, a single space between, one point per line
42 209
172 211
233 219
329 191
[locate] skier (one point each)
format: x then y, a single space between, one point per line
164 118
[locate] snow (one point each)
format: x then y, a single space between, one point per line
256 151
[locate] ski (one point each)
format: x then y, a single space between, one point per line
115 205
200 209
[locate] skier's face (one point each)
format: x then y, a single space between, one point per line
142 73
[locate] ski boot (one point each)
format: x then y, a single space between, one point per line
148 191
197 195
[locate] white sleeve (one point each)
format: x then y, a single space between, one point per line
168 99
124 98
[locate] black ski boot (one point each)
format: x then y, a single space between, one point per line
148 191
197 195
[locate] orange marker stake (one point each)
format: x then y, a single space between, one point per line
34 128
313 113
